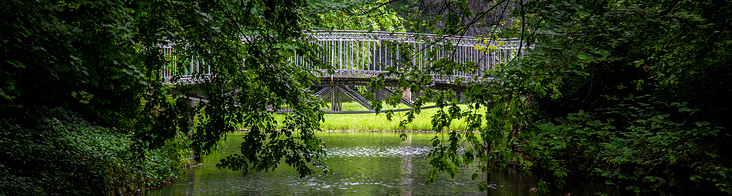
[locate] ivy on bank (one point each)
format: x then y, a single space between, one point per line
59 153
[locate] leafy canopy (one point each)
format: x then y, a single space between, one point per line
103 60
632 91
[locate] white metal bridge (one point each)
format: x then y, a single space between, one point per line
358 56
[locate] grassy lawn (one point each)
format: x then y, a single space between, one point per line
374 122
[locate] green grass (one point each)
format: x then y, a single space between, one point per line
379 122
374 122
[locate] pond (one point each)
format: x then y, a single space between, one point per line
363 163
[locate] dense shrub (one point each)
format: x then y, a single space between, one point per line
58 153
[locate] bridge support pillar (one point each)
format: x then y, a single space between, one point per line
335 98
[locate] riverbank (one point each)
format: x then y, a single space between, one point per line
374 122
61 154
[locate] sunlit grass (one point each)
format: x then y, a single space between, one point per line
379 122
374 122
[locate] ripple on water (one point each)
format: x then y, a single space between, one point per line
375 151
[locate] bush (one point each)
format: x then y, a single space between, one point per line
58 153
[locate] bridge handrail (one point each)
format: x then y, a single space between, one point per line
364 54
458 40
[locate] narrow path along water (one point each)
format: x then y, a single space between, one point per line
363 163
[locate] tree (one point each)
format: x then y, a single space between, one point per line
626 90
643 80
69 55
355 15
103 59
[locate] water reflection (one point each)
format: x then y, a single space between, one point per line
363 163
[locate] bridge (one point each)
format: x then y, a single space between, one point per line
358 56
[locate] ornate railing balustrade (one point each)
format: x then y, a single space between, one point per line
362 55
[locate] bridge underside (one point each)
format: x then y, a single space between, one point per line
334 88
335 92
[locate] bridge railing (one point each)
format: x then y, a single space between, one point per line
362 54
193 71
366 54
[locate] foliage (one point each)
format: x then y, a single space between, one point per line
470 18
632 91
104 60
640 93
355 15
75 52
63 155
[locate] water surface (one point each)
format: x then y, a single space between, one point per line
362 163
